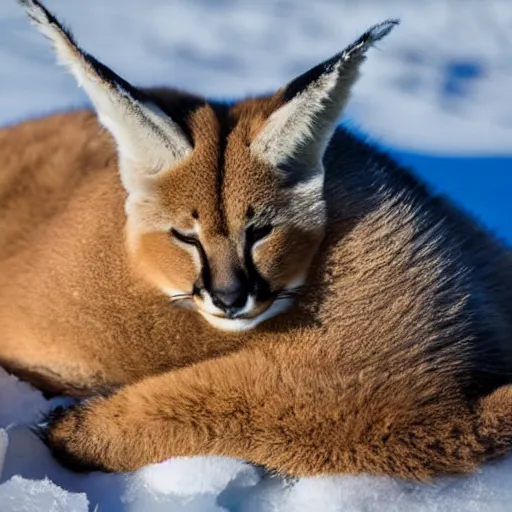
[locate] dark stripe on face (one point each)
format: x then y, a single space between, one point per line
226 125
251 280
206 275
258 284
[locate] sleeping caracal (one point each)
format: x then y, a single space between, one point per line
395 359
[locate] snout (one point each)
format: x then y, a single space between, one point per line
242 317
230 304
231 301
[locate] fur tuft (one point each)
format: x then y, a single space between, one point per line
61 38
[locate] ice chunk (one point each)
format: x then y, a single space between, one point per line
185 476
21 495
4 441
20 403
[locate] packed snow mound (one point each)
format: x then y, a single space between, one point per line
441 84
21 495
31 481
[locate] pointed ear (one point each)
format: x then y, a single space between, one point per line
299 130
147 138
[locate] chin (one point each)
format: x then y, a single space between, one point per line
247 323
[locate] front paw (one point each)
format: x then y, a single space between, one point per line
67 433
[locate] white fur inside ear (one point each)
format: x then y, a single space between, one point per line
293 124
143 133
303 126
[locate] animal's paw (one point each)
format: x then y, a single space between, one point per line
70 436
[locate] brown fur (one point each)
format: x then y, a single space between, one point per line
344 396
396 360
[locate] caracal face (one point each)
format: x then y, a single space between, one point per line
224 207
224 232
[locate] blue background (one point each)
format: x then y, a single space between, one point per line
481 184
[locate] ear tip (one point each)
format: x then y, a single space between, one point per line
30 4
45 21
369 38
36 11
377 32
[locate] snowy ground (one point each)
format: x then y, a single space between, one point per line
214 484
442 82
441 85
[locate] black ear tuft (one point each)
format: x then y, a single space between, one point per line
144 132
42 17
353 51
39 14
298 131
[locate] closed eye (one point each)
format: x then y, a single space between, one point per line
194 241
255 234
183 237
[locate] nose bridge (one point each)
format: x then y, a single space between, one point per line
225 267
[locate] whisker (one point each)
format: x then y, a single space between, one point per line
285 295
181 296
290 293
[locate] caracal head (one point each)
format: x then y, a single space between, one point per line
225 207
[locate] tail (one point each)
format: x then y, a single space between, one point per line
495 422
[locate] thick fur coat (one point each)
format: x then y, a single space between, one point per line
396 358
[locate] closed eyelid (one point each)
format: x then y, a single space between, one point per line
255 233
186 238
193 241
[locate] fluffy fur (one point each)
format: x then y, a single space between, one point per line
396 359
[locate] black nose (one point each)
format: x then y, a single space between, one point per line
230 299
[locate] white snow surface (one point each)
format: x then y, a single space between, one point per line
31 481
441 84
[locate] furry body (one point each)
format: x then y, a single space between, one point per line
395 360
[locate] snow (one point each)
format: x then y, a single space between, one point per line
31 481
440 85
442 82
20 495
4 443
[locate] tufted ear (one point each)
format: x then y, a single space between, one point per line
148 140
297 133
